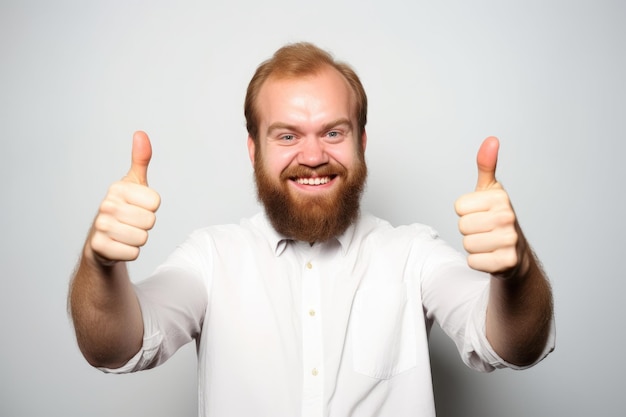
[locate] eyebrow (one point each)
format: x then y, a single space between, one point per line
338 122
279 126
325 127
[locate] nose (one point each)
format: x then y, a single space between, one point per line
312 152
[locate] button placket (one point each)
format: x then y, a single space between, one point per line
311 340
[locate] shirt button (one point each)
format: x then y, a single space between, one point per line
312 313
314 372
309 265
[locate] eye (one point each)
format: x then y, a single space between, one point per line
287 138
334 136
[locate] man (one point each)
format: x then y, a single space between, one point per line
311 308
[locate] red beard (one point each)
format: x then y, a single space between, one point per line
311 219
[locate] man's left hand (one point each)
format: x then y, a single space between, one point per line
487 220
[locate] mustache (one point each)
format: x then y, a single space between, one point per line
302 171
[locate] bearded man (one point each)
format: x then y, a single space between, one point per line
311 307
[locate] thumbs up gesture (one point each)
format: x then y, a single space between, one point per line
128 210
487 220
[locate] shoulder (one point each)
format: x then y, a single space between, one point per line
370 227
414 242
252 231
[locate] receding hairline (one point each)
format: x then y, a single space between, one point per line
279 76
309 75
298 61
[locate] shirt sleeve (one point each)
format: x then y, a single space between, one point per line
456 297
477 337
173 304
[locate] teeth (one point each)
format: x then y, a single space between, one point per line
313 181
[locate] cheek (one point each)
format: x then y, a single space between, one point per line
347 157
276 161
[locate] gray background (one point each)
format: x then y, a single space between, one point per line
78 77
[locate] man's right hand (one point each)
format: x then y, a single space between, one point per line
127 212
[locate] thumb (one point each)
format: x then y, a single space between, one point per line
487 160
141 154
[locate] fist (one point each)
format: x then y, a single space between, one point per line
128 211
486 218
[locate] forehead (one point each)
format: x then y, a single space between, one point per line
325 93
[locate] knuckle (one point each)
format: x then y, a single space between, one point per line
157 200
117 188
461 205
458 205
501 194
102 247
468 244
142 238
132 253
473 261
151 221
111 250
102 224
511 239
508 259
462 224
108 206
507 217
96 242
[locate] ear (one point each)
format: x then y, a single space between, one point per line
251 149
364 140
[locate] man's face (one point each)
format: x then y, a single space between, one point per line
309 164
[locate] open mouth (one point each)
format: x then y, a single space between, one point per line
313 180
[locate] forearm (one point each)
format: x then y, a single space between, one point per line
520 310
105 311
103 304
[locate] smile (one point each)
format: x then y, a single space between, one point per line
313 181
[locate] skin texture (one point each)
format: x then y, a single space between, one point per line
306 123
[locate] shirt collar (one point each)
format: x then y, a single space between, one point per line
279 243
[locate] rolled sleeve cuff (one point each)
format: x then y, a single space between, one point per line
480 355
153 338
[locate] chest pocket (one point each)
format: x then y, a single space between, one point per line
383 331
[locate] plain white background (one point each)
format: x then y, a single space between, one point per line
78 77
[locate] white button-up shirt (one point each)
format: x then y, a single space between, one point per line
338 328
